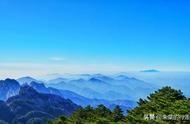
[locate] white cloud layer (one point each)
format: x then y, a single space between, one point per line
15 70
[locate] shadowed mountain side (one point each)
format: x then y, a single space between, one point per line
30 105
8 88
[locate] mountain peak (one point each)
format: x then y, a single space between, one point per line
10 81
98 75
95 80
27 79
151 70
8 88
27 90
121 77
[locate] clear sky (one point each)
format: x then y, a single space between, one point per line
73 36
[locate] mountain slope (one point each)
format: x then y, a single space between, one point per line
5 112
80 100
8 88
30 105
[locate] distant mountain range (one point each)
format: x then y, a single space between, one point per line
21 98
95 89
100 86
151 70
81 100
32 107
28 100
12 86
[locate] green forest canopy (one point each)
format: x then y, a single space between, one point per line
165 106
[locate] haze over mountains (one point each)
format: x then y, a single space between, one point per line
89 85
24 88
99 86
176 79
76 90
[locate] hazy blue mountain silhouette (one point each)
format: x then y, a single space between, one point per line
80 100
27 80
100 86
150 70
12 86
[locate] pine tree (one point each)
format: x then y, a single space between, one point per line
117 114
166 101
102 111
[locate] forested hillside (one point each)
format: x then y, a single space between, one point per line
165 106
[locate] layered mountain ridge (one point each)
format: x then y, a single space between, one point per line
28 100
30 105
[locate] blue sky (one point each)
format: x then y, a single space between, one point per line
94 35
